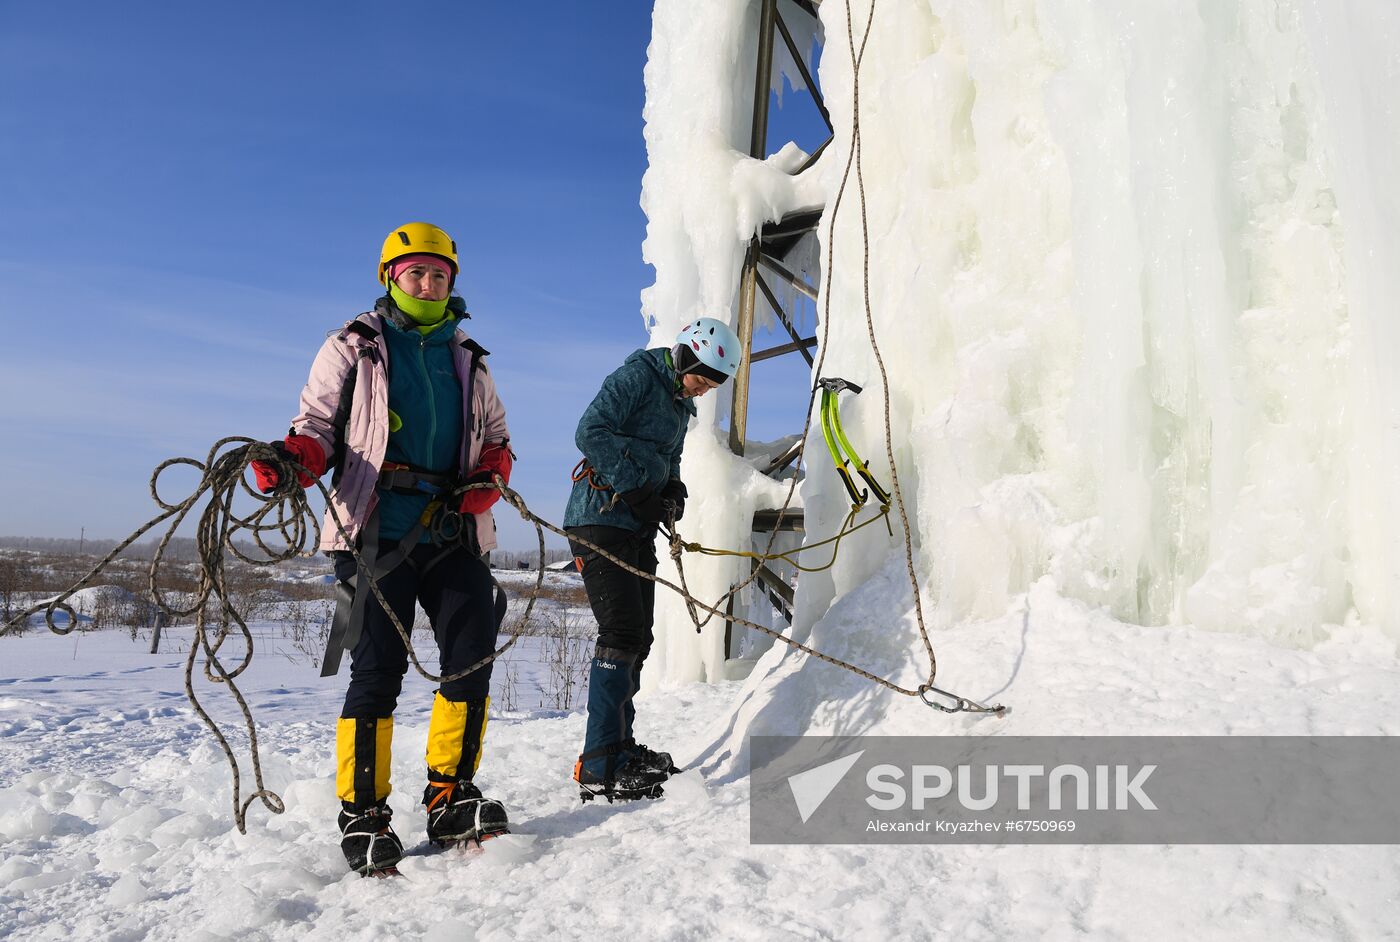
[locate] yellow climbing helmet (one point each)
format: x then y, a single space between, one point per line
416 238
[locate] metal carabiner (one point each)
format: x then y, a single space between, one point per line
446 525
960 704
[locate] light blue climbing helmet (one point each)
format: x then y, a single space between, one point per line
708 347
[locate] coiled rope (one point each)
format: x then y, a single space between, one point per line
284 512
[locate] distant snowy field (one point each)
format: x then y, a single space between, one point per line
115 822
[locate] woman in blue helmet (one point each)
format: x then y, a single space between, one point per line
628 484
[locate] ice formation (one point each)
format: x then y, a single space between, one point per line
1133 279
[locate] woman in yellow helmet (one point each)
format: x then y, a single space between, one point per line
400 403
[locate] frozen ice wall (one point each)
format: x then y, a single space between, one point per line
1133 275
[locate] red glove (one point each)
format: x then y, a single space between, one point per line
495 459
304 450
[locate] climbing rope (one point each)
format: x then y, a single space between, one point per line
870 329
928 692
693 603
787 555
285 512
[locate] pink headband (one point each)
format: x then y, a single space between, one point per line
399 265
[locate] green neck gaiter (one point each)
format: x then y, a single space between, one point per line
424 313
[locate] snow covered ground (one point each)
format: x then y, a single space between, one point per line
1132 271
115 821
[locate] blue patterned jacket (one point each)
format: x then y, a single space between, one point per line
631 435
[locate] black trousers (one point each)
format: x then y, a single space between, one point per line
622 602
458 595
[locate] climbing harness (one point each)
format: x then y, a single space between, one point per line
444 526
843 453
405 479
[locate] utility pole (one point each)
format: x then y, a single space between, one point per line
82 538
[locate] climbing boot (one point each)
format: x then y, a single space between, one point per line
457 812
626 780
369 843
651 759
611 766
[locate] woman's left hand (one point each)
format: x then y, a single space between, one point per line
495 459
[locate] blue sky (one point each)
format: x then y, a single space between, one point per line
193 195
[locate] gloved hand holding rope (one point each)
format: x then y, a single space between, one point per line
284 511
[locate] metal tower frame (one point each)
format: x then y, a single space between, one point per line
774 240
768 250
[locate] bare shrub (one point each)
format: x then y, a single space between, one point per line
251 592
308 622
15 577
508 689
136 609
421 622
107 608
567 652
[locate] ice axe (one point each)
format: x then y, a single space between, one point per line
843 454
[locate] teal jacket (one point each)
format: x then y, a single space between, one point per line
631 435
425 393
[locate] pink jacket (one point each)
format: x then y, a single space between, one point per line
360 346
